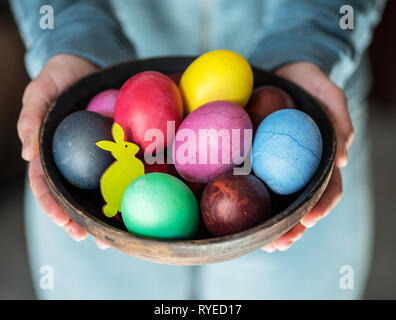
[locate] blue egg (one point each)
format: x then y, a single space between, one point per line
75 153
287 150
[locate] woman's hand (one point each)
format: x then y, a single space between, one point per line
313 80
59 72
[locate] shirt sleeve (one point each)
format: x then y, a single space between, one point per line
85 28
309 30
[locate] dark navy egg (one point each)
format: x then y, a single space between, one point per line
76 155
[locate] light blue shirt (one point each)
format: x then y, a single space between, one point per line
268 33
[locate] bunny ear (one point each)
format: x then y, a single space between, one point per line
118 133
106 145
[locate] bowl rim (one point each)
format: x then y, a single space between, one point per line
71 206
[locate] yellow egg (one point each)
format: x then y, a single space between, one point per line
216 75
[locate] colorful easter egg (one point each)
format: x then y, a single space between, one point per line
211 140
161 206
157 164
148 101
176 76
266 100
170 169
216 75
287 150
104 103
233 203
76 156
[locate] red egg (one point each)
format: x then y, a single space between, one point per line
159 167
170 169
266 100
148 100
118 216
195 187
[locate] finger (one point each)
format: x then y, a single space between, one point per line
334 102
327 202
75 231
35 103
41 191
30 127
270 247
285 241
48 204
101 245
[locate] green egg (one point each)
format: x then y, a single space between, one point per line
161 206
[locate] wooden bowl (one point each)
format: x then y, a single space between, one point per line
84 207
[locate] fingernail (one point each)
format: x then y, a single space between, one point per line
58 220
26 149
308 223
269 248
73 234
102 246
283 247
75 237
298 237
342 157
346 155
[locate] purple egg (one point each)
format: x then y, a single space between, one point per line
210 141
104 102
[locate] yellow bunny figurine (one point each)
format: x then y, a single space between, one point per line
121 173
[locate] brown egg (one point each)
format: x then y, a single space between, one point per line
233 203
266 100
176 77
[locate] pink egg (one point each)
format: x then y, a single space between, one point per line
104 103
210 141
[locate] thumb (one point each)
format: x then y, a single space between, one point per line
335 104
58 73
37 98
